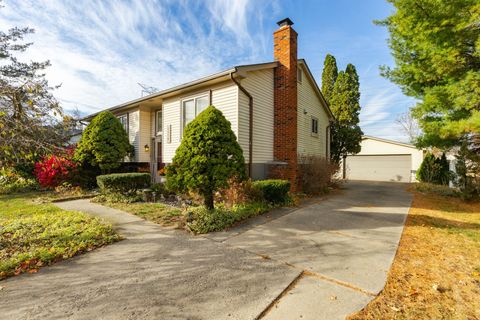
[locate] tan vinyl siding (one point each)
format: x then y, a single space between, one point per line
144 136
260 85
171 118
310 105
224 97
133 131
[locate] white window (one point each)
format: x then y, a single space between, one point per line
193 107
124 121
159 122
314 126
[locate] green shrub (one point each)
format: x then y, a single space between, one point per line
208 156
115 198
123 183
274 191
434 170
104 143
202 220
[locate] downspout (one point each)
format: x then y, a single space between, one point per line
250 122
327 142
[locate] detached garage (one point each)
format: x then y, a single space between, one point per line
384 160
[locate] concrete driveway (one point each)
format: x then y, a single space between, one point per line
321 261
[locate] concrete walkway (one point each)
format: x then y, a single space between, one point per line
321 261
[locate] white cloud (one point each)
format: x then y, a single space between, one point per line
100 50
380 111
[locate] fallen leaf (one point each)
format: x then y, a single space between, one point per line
333 297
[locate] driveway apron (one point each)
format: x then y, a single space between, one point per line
345 245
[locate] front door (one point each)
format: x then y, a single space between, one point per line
158 165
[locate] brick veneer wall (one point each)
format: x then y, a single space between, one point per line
285 100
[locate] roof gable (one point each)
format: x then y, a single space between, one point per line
365 137
318 92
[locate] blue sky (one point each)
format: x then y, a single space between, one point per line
100 50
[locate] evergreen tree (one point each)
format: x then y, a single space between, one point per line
329 76
467 167
355 82
344 103
444 175
208 156
104 143
434 170
436 47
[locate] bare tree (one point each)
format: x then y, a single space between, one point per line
409 126
30 117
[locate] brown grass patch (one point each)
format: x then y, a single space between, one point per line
436 272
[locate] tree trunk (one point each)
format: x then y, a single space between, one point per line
208 202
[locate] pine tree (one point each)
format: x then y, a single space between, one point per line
329 76
208 156
436 48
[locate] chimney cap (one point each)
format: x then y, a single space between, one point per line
285 22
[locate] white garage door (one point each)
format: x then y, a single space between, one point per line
379 167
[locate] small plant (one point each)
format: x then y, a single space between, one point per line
240 192
274 191
202 220
123 183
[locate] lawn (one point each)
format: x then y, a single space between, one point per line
33 235
436 272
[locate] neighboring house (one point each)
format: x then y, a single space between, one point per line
384 160
74 136
276 111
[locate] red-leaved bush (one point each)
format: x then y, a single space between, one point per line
53 170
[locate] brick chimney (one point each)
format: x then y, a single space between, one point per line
285 99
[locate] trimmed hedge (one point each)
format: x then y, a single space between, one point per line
275 191
124 183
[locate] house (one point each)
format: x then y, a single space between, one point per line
276 110
384 160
